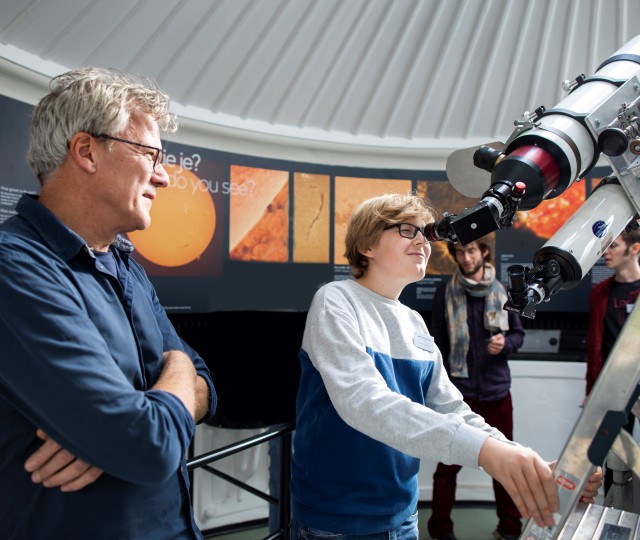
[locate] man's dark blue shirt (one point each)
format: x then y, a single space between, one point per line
81 349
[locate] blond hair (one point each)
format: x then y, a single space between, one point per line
369 219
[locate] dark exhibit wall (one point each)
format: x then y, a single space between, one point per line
253 359
240 233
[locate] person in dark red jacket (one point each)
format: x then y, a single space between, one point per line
475 336
610 303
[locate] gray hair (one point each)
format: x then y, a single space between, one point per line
91 99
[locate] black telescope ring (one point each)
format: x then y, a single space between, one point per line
618 58
594 78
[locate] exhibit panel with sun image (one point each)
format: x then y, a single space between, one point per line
280 229
187 229
311 215
236 232
545 219
183 221
258 214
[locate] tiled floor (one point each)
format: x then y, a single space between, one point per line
473 521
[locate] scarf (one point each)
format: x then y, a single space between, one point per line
495 318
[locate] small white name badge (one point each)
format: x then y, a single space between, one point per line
424 342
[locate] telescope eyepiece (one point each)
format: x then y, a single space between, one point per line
517 276
486 157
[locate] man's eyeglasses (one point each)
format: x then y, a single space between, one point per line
157 152
407 230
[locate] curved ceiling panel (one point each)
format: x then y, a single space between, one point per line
405 81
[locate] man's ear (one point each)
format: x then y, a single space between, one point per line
82 150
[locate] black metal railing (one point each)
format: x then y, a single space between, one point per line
282 431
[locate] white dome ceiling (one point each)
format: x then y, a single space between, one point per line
357 82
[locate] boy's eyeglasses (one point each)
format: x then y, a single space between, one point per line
156 156
407 230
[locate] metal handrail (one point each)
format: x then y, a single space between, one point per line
280 430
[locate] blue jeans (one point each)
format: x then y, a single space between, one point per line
407 531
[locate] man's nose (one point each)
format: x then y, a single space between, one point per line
160 177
